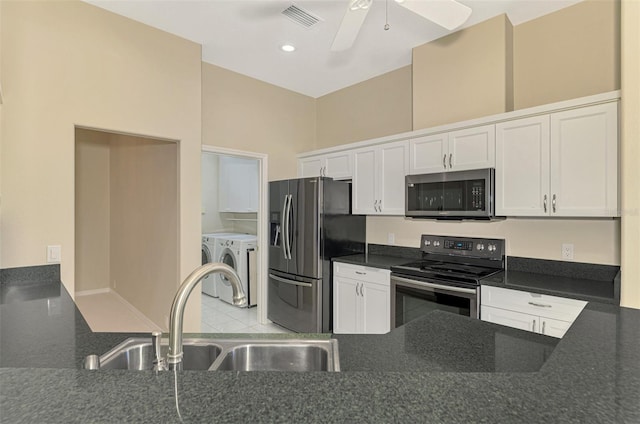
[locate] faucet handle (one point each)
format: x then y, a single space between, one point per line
158 361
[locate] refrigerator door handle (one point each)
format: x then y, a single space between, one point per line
292 282
290 230
285 230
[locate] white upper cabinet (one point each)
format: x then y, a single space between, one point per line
338 165
584 161
238 185
561 164
470 148
429 154
378 179
522 167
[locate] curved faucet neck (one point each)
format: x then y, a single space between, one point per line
174 357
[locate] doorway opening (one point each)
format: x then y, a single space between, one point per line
234 205
126 229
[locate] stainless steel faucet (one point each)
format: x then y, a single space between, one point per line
174 357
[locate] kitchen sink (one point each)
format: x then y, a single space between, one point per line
231 355
137 354
280 356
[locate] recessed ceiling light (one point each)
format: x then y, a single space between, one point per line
287 48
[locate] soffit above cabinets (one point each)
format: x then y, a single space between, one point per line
245 36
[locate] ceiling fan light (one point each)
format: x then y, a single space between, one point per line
360 4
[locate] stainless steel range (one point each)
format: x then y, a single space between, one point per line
447 278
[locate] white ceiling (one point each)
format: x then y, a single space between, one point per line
245 35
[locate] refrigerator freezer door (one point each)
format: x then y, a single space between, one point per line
293 302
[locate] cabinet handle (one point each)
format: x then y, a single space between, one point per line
553 203
540 305
543 323
379 205
534 326
450 164
545 203
361 273
444 161
362 289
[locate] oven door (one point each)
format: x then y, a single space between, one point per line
412 298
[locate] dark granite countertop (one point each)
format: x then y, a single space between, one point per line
441 368
597 283
374 261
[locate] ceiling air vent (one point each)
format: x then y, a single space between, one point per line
301 16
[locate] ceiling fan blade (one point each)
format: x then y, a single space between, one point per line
447 13
349 28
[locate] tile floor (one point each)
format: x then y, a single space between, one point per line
106 312
221 317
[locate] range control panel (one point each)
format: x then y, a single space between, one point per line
463 246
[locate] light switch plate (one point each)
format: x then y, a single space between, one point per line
391 238
54 254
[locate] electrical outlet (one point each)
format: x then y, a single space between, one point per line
567 251
391 238
54 254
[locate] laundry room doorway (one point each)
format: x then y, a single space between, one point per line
234 204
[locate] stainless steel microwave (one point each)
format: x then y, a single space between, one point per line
451 195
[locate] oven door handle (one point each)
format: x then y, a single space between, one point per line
433 285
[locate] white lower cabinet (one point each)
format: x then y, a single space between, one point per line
361 299
538 313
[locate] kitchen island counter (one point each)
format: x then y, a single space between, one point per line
591 375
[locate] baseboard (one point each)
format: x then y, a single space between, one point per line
94 291
136 312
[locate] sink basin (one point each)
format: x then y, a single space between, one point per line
279 356
137 354
231 355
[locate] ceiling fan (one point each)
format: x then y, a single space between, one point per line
449 14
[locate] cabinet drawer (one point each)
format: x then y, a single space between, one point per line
542 305
362 273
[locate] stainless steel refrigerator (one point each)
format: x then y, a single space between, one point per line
310 222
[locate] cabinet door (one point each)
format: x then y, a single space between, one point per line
393 163
238 185
472 148
310 167
554 327
429 154
584 161
522 167
364 182
376 308
346 313
509 318
339 165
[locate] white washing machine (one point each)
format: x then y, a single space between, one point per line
209 286
233 250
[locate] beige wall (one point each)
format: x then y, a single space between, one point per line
374 108
144 224
630 153
92 210
243 113
534 238
571 53
69 63
464 75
